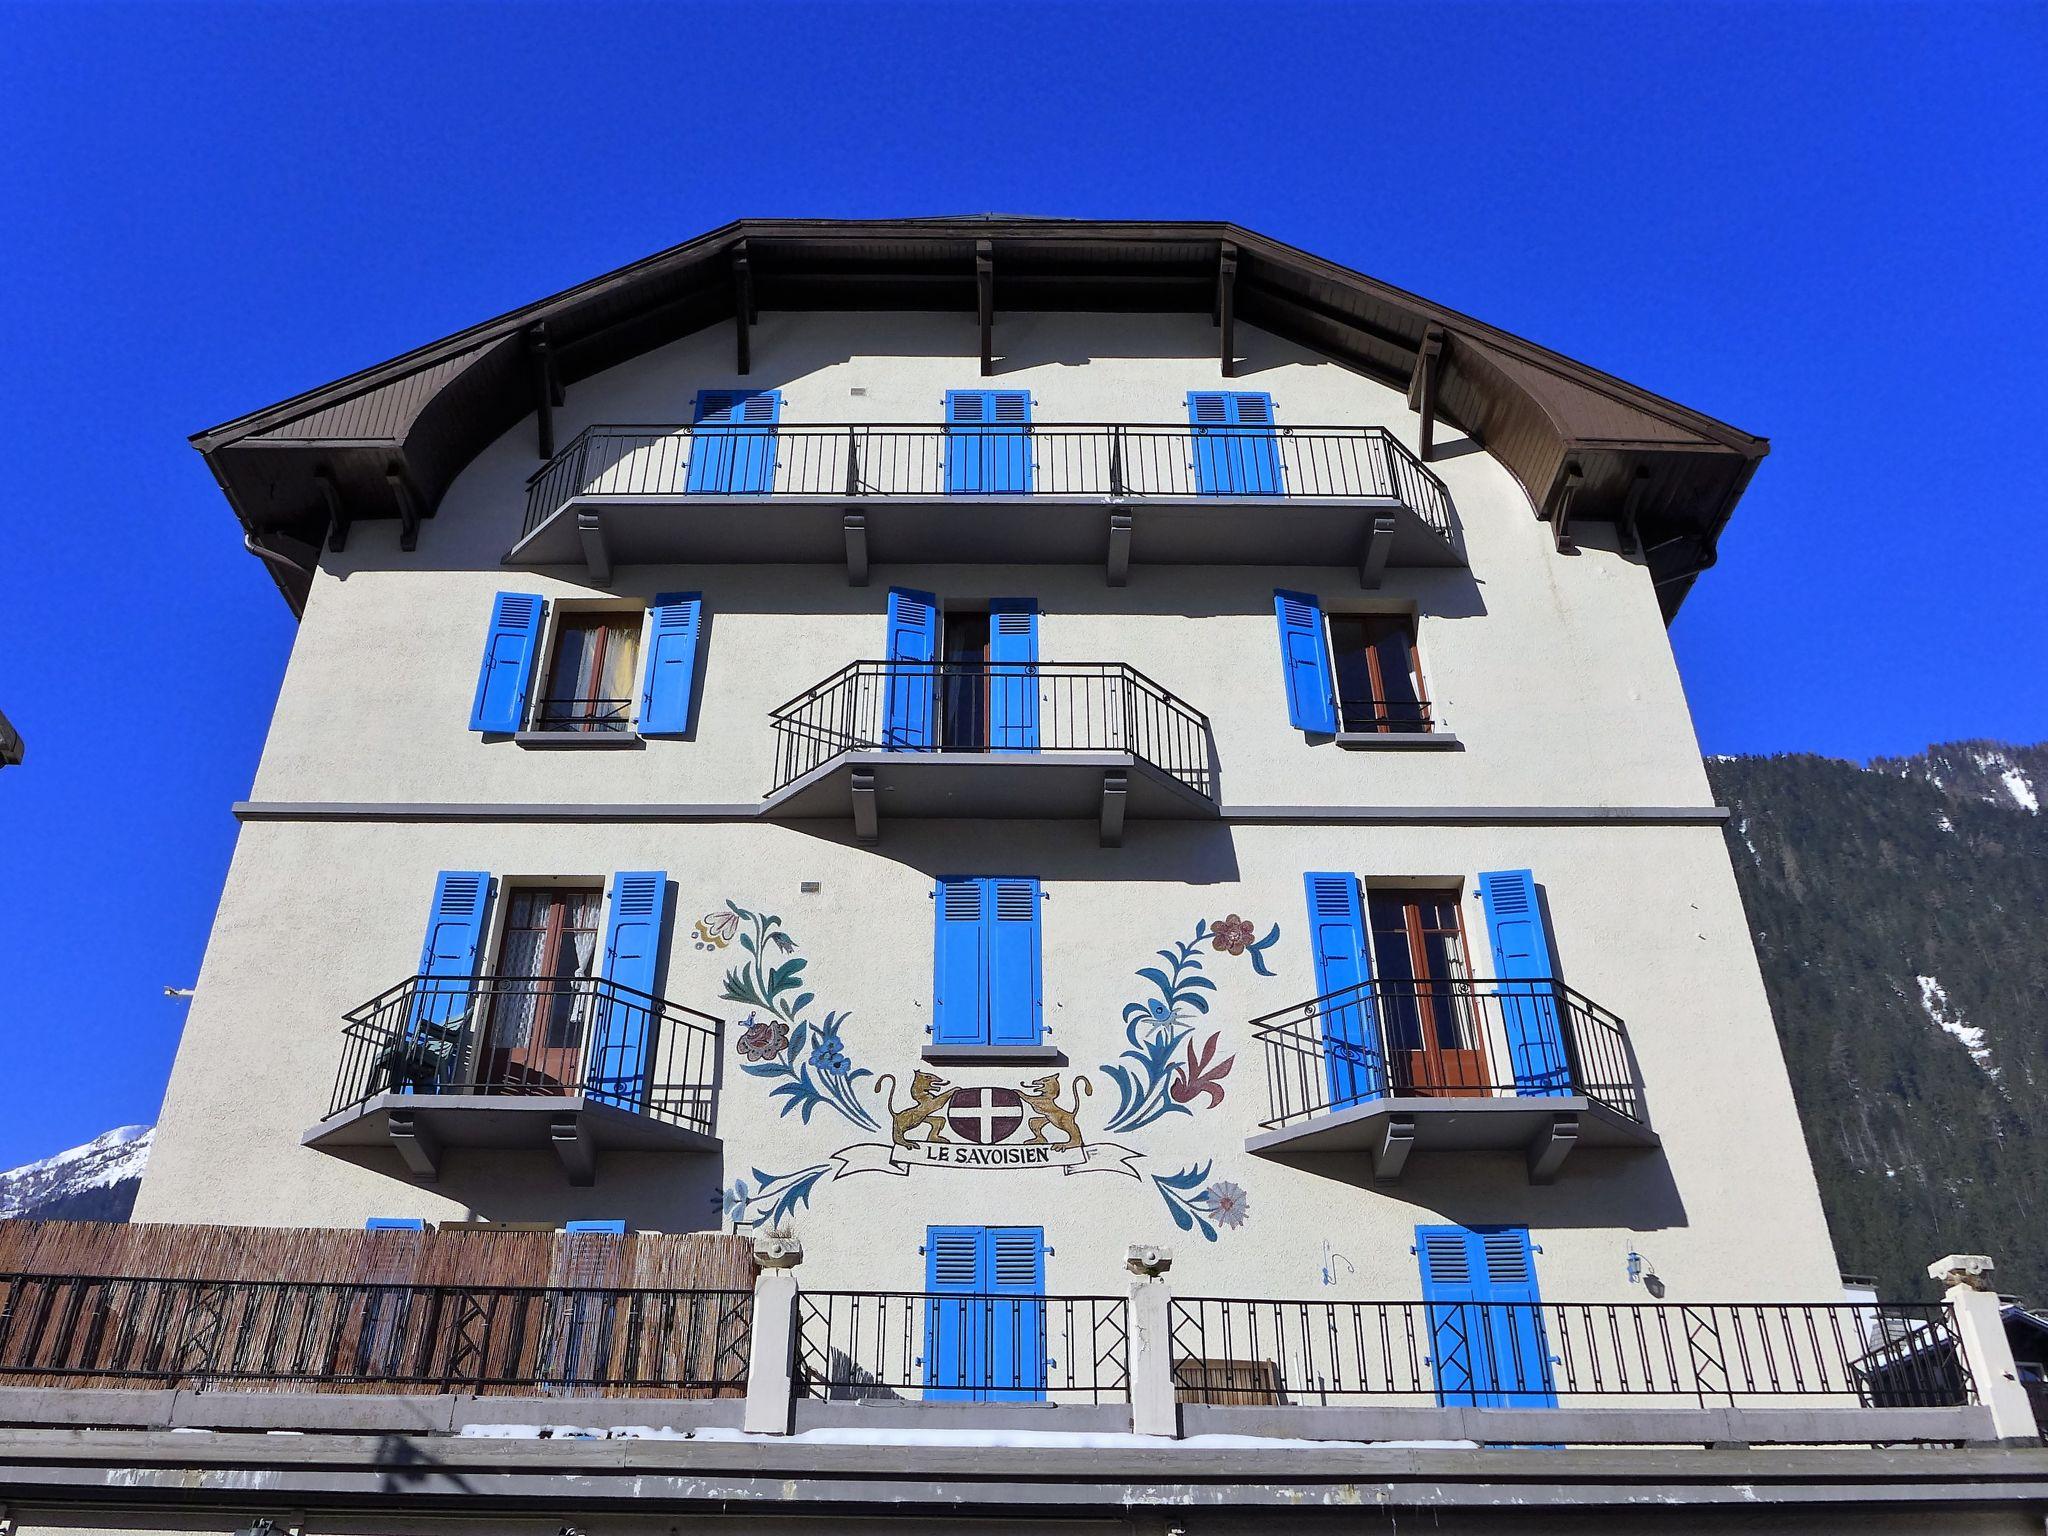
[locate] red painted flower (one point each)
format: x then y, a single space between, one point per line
1195 1078
763 1039
1232 934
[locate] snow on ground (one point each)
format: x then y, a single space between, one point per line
1949 1020
1945 824
1054 1439
2022 791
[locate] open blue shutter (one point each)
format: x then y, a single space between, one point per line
1013 677
955 1359
1453 1287
1353 1066
507 672
1235 453
913 646
450 957
1518 1353
1015 1265
675 630
988 442
1305 662
732 450
960 967
1016 965
1529 1003
624 1026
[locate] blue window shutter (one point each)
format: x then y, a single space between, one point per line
1519 1345
1487 1341
913 642
1453 1287
450 955
510 650
732 443
394 1224
1235 451
955 1362
1016 1011
1523 961
1353 1067
1014 1261
608 1228
668 681
960 966
1013 693
988 442
623 1027
1305 662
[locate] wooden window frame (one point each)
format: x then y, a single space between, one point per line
1382 723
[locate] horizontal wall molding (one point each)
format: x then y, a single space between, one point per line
1240 815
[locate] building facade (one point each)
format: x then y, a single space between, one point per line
980 745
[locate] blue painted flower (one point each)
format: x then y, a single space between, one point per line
1165 1016
735 1201
828 1054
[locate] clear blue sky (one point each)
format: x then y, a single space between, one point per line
1823 224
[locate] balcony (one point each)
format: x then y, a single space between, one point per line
1044 739
579 1065
1099 494
1468 1065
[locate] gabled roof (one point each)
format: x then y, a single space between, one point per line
388 441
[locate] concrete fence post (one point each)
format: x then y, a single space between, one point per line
771 1338
1979 1320
1148 1326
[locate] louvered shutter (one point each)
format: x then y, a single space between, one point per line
668 685
1013 678
623 1036
732 447
1354 1069
1016 1328
988 442
1518 1354
1015 950
955 1355
1453 1286
913 645
1523 961
1305 662
1235 451
510 649
1488 1343
960 965
450 957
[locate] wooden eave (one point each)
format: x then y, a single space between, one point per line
388 441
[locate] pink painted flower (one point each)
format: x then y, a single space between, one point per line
763 1039
1227 1203
1232 935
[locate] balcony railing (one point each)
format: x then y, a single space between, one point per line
861 462
527 1036
961 1348
119 1331
1028 707
1453 1040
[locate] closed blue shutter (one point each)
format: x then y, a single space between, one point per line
604 1228
1013 677
1353 1066
960 968
1305 662
988 442
624 1027
1015 1264
732 450
507 672
1235 452
1011 911
450 956
913 646
955 1352
1529 1005
395 1224
675 630
1487 1341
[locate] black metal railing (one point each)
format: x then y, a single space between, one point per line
961 1348
603 715
1467 1038
528 1035
1082 459
1039 706
109 1330
1386 717
1498 1354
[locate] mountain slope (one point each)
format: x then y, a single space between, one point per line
1901 916
95 1182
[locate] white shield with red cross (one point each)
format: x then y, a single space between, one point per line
985 1116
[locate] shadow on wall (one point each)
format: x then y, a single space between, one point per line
1174 852
658 1192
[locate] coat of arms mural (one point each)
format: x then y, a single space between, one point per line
925 1121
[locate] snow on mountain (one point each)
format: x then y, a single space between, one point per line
93 1182
1949 1019
1991 772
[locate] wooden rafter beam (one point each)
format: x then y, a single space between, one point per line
1632 511
337 509
407 496
544 389
742 308
985 302
1226 306
1561 501
1422 389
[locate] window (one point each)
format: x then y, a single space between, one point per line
533 1037
600 682
988 442
963 679
990 1345
1487 1341
1379 679
732 442
986 977
592 674
1236 453
1435 1041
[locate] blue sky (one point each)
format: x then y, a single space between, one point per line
1823 224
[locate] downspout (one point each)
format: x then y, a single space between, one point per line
276 558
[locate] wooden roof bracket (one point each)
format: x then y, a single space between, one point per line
1422 387
407 496
547 389
1631 512
985 302
337 509
1561 502
743 314
1224 315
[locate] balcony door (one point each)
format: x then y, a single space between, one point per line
1434 1042
540 997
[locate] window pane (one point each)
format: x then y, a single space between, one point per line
1400 692
1351 656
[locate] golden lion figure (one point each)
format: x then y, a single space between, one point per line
1042 1099
929 1095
